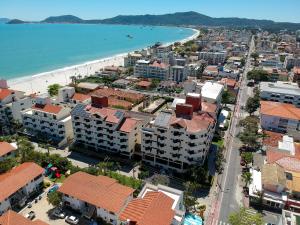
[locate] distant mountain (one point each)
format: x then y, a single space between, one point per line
4 20
179 19
63 19
16 21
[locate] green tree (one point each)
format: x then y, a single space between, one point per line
255 56
25 148
249 139
252 105
54 198
258 75
219 160
247 178
243 217
247 157
53 89
189 199
7 165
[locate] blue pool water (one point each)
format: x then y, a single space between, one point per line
191 219
28 49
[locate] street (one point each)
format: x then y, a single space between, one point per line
229 193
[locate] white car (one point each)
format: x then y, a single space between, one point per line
59 213
72 220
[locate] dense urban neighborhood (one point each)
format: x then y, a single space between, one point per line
205 131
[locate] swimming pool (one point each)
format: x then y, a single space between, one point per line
191 219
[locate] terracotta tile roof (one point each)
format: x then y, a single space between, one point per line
48 108
18 177
122 95
289 163
4 93
108 114
272 138
128 125
199 122
154 208
100 191
297 70
144 83
208 107
278 109
80 97
13 218
229 82
6 148
159 65
114 102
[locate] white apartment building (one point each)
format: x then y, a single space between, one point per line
96 196
152 69
212 92
12 102
179 73
280 117
181 139
7 150
23 181
50 120
285 92
105 129
213 58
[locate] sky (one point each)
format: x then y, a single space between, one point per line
277 10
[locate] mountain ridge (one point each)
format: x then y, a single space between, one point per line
176 19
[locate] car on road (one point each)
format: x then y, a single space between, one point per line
30 215
59 213
270 224
72 220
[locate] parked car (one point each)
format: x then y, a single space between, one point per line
72 220
53 188
59 213
30 215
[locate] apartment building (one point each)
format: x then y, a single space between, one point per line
159 205
291 61
280 117
285 92
18 184
52 121
131 59
179 73
213 58
105 129
177 140
152 69
96 196
7 150
12 102
13 218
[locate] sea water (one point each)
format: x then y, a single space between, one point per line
28 49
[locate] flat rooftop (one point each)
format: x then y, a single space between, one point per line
280 87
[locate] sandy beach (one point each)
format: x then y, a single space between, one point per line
39 83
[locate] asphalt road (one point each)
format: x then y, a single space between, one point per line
229 193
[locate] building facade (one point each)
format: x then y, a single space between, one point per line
152 69
213 58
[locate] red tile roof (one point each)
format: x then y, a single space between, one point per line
80 97
289 164
100 191
4 93
107 114
229 82
144 83
128 125
114 102
199 122
48 108
154 208
278 109
122 95
272 138
18 177
6 148
297 70
13 218
208 107
159 65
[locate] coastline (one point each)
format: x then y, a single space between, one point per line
38 83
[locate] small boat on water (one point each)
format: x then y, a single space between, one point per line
129 36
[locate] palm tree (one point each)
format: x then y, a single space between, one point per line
247 178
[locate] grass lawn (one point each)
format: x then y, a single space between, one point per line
219 143
59 180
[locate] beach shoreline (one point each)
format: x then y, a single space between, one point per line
38 83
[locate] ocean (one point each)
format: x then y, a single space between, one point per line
29 49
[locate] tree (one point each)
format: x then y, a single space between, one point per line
247 157
243 217
25 148
190 201
249 138
53 89
219 160
7 165
255 56
247 178
225 98
258 75
54 198
252 105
